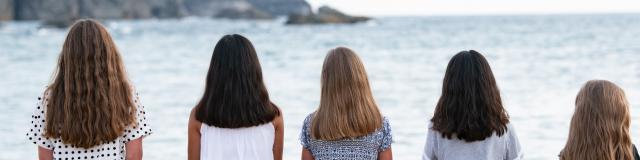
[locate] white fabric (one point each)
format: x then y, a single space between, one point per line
505 147
254 143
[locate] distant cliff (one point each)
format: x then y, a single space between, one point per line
325 15
105 9
68 10
282 7
6 10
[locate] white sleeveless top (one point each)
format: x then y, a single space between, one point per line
238 143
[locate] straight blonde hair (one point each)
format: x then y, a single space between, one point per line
600 125
347 108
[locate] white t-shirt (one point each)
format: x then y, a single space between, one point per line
114 150
505 147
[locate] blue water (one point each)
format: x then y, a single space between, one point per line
540 62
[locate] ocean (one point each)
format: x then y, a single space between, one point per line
540 63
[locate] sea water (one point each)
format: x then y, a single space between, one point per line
540 62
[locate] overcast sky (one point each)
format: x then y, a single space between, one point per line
476 7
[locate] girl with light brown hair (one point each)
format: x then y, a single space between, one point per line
600 125
347 124
90 110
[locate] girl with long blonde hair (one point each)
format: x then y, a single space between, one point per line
600 125
90 110
347 124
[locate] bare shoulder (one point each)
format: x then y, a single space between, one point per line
278 122
193 122
192 114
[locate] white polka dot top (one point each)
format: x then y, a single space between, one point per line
114 150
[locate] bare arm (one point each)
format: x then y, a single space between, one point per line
278 124
385 155
134 149
193 145
45 154
306 154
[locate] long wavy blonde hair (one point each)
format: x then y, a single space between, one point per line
600 125
347 108
90 100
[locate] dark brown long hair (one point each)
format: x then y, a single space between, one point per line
90 99
470 107
235 95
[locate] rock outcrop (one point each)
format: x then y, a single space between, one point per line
325 15
233 9
167 8
233 13
246 9
26 9
6 10
102 9
283 7
58 11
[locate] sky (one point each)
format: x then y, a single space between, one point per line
478 7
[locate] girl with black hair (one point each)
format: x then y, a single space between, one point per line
470 121
235 119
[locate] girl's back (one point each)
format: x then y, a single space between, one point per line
491 148
90 110
237 143
470 121
600 125
347 123
108 150
360 148
235 119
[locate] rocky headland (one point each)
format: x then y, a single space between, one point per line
325 15
63 12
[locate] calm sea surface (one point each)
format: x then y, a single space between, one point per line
540 62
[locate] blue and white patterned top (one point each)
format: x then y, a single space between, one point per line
361 148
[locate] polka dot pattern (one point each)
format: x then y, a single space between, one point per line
141 129
109 151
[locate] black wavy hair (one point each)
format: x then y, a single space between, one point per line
235 95
470 106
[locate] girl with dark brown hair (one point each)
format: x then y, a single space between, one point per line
600 125
235 119
90 110
469 121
